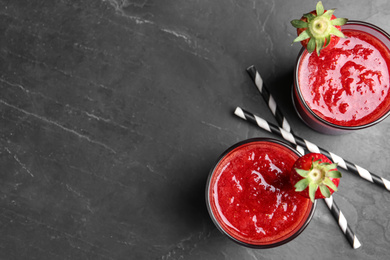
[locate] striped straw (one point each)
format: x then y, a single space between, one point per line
342 221
268 98
294 139
282 122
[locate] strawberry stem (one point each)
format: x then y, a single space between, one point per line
320 27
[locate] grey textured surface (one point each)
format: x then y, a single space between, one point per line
113 112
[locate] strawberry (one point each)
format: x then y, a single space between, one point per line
315 176
319 29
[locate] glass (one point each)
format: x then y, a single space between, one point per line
311 118
245 153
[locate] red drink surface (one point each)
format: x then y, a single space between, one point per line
348 85
251 195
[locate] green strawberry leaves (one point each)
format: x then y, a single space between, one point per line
318 176
319 27
301 185
320 8
299 24
312 191
339 21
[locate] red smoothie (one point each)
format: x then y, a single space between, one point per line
347 85
251 197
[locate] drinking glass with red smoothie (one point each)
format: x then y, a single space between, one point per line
250 198
346 87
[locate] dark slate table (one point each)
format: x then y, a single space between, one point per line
113 113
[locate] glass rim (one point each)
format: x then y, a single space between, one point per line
317 117
216 222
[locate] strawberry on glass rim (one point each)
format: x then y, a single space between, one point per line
319 29
315 176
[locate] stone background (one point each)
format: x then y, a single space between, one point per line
113 112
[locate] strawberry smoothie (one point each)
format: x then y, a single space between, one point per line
250 197
347 87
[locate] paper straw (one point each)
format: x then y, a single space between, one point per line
294 139
283 123
342 221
